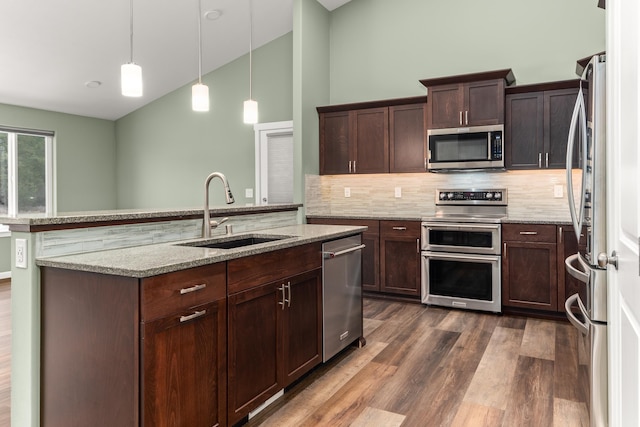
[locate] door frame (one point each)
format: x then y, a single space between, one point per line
262 133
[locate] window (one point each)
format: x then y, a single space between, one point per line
25 172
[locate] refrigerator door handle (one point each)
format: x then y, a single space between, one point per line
570 302
583 276
578 112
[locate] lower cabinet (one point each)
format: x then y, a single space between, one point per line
400 255
391 258
120 351
274 328
529 266
533 271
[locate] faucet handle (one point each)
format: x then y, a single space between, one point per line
214 224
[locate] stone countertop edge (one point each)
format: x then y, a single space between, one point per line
133 214
153 260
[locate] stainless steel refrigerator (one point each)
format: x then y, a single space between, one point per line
587 309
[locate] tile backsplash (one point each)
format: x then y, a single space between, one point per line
530 193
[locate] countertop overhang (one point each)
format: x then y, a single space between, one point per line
152 260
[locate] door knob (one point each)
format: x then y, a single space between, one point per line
603 259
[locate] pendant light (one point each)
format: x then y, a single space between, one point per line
250 106
199 91
131 73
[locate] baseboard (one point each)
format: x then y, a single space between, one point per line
5 275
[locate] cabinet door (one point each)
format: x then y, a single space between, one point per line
335 135
524 129
407 138
529 275
302 325
400 253
558 108
446 105
484 103
371 140
184 359
253 349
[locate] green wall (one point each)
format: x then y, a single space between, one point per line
84 151
310 84
165 150
5 254
380 48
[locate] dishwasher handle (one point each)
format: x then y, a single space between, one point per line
328 254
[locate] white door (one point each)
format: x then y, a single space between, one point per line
623 199
274 162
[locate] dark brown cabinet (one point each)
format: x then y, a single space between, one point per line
400 257
371 251
128 352
275 324
407 138
537 127
467 100
373 137
529 266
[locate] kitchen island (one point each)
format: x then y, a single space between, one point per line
72 241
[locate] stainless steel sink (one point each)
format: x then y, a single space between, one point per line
234 242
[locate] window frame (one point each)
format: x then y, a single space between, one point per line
12 168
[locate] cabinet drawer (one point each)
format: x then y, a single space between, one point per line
172 292
400 228
529 232
245 273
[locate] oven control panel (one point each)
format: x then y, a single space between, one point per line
472 197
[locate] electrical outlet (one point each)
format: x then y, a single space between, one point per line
248 193
398 192
557 191
21 253
347 192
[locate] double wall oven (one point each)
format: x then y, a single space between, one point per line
461 250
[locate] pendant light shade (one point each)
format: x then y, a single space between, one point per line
250 105
199 91
131 79
250 111
200 97
131 73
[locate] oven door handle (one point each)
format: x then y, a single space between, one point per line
460 257
440 226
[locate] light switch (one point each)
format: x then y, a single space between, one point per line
248 193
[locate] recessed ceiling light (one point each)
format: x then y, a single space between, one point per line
212 15
93 84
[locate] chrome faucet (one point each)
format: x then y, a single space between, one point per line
207 223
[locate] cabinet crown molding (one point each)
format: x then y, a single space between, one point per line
506 74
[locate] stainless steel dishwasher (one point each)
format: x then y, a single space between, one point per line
341 294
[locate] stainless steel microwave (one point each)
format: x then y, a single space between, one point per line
468 148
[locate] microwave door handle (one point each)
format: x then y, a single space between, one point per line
570 143
488 145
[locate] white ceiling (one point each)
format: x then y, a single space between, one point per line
50 49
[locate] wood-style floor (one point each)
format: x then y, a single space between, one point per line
427 366
5 354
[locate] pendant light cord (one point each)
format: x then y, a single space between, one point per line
131 30
199 42
250 47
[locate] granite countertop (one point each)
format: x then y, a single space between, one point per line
383 217
137 214
152 260
510 219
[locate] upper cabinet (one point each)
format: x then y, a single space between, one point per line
467 100
537 125
374 137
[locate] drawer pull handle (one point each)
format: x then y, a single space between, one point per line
192 288
193 316
400 228
529 233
